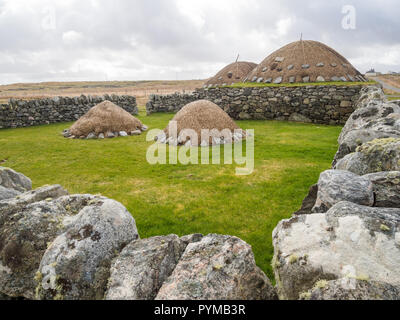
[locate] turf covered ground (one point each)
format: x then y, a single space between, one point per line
180 199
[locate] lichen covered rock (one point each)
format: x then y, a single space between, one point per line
11 179
366 117
349 241
374 156
142 267
25 234
76 266
352 289
357 138
18 203
217 268
375 118
335 186
386 186
6 193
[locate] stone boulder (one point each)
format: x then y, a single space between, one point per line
374 118
25 234
349 241
11 179
374 156
6 193
386 186
192 238
297 117
389 124
370 94
142 267
22 200
352 289
357 138
335 186
372 105
217 268
76 265
367 117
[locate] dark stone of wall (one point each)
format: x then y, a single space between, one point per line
19 113
317 104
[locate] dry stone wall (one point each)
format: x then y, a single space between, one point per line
20 113
344 243
317 104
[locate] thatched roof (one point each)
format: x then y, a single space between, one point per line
103 118
201 115
304 61
233 73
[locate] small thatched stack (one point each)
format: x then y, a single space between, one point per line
231 74
106 120
196 117
304 61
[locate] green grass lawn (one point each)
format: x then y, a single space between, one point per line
180 199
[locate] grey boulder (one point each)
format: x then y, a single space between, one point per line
11 179
370 94
217 268
142 267
386 186
374 156
349 241
76 265
335 186
348 289
357 138
367 113
6 193
18 203
25 235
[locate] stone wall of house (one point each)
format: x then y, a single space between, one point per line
20 113
331 104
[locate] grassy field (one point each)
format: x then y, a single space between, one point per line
180 199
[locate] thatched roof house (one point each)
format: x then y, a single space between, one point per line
186 128
105 120
304 61
233 73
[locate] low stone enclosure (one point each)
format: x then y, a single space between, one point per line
343 244
322 104
20 113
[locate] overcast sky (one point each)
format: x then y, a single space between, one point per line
76 40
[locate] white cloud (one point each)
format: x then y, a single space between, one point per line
283 26
158 39
72 37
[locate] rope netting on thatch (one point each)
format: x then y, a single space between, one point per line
233 73
304 61
197 116
103 118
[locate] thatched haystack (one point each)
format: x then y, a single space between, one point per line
196 117
231 74
106 120
304 61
